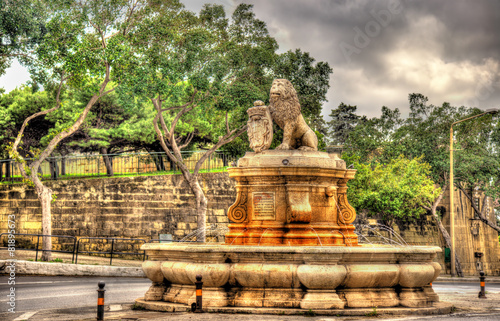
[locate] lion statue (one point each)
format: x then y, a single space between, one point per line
284 107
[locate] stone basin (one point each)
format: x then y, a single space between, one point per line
305 277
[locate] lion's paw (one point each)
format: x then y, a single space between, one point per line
306 148
283 146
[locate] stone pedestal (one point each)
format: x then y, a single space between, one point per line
291 197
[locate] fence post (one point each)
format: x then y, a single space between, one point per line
111 258
37 242
74 248
77 247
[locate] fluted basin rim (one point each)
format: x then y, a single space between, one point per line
224 248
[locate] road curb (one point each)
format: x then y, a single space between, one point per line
64 269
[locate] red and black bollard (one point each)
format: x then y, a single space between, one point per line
482 293
198 306
100 300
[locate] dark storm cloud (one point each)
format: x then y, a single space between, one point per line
381 51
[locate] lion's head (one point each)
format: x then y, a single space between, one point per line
283 102
282 89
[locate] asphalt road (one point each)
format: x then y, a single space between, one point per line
463 287
41 293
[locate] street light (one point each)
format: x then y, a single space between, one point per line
452 209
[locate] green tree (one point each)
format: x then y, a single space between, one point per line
21 28
477 163
85 47
199 71
311 81
397 190
343 122
14 108
426 133
373 139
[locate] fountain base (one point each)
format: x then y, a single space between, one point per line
293 277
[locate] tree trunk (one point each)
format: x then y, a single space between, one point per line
1 171
158 159
45 197
108 162
201 208
444 232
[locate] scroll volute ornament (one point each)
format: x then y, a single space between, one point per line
260 127
347 213
237 212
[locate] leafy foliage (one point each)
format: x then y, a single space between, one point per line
395 190
343 122
426 134
22 26
15 107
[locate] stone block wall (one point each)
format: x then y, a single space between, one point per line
129 207
472 235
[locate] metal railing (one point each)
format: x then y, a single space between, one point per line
100 165
76 246
112 251
37 248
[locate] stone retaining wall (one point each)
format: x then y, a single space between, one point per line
139 207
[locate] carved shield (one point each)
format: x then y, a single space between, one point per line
260 127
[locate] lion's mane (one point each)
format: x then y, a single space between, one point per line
284 108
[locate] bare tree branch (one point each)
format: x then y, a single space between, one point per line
481 215
40 113
229 137
188 140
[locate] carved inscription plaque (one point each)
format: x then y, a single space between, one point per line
263 206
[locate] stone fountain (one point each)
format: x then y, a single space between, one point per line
291 243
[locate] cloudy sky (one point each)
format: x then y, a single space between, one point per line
381 51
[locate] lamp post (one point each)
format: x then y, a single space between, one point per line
452 208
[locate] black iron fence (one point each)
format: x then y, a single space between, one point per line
103 243
27 245
83 166
98 246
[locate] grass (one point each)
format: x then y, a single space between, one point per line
310 313
104 175
138 307
373 313
57 260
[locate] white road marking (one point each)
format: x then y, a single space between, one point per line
85 293
45 282
115 307
25 316
51 296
